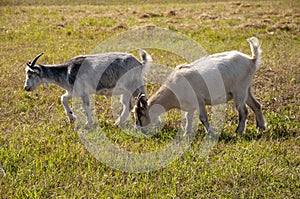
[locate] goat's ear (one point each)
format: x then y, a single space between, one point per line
137 104
29 64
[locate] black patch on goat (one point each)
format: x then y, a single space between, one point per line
74 66
115 70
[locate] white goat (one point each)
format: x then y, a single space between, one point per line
103 74
211 80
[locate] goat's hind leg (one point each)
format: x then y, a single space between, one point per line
256 107
243 113
240 103
86 105
126 102
64 100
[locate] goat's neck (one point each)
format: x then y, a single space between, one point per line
56 74
162 101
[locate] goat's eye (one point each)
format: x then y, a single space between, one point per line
30 75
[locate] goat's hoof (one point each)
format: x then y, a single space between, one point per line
240 130
237 133
261 127
88 125
212 135
72 119
117 123
187 133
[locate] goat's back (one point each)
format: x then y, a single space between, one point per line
105 71
214 78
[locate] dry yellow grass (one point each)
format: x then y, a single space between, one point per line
41 155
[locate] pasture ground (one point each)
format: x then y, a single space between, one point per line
41 155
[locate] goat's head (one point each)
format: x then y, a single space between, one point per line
141 112
33 75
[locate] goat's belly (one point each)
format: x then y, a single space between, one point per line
110 91
187 105
221 99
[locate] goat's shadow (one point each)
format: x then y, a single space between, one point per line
255 135
168 132
251 134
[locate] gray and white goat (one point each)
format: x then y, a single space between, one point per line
102 74
211 80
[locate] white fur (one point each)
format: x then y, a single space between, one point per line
210 80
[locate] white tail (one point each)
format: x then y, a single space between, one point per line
146 60
256 50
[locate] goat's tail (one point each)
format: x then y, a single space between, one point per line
256 50
146 60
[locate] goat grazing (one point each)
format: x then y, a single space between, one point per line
102 74
211 80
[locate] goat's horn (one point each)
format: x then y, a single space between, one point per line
143 100
138 99
35 59
139 96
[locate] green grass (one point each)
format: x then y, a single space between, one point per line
42 156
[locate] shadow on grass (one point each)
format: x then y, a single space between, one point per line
254 135
169 132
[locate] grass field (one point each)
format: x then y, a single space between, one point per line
42 156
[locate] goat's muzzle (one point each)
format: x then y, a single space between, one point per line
143 129
27 88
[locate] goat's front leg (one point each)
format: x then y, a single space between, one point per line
126 102
204 119
64 100
189 122
86 105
